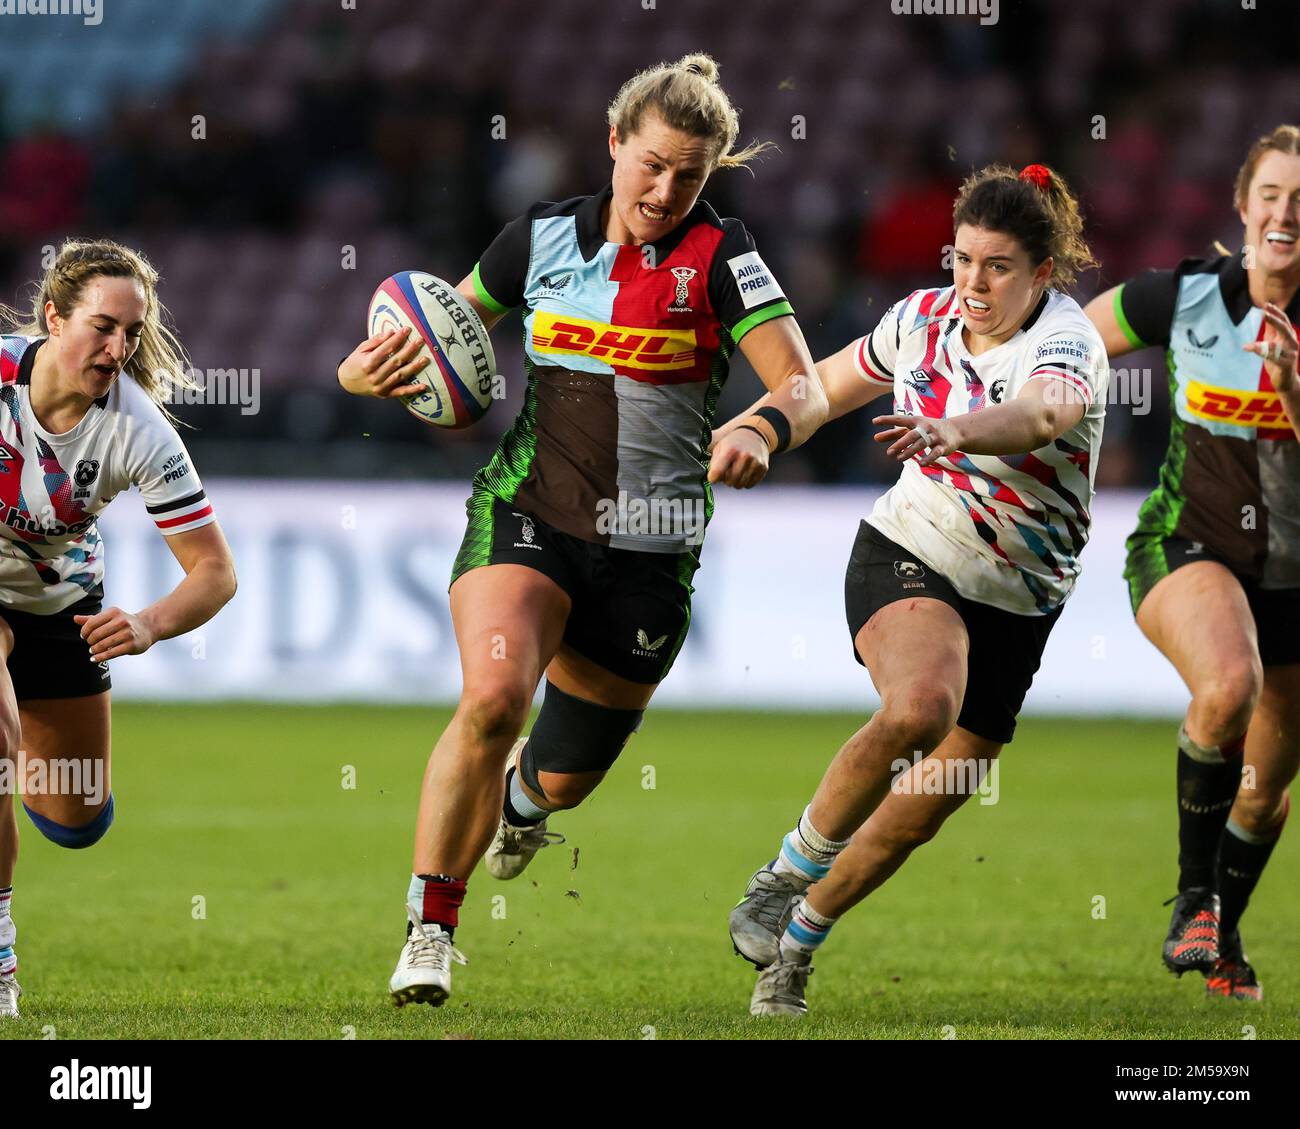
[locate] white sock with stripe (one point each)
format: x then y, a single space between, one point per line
805 933
8 934
806 854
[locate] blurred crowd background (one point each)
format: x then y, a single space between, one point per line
328 127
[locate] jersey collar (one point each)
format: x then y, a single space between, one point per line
28 362
591 232
1234 288
1038 311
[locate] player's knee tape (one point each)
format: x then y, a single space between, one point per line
1228 752
571 735
74 838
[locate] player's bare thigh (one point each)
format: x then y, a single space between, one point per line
916 653
1200 620
9 721
72 736
509 621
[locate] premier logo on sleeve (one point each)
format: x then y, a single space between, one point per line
754 279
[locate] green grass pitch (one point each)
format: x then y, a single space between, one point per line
989 931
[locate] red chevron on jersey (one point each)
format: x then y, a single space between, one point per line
648 298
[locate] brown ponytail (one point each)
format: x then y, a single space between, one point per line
1035 206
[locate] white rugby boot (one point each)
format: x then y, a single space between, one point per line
781 989
512 848
423 974
9 993
760 917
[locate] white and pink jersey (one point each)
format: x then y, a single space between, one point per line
1005 530
52 487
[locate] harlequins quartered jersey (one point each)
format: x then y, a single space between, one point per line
1231 477
1005 530
52 487
626 350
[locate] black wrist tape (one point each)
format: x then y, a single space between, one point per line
780 425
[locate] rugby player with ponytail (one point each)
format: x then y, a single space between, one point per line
634 299
1214 565
964 565
83 382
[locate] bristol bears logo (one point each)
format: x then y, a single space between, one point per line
997 391
910 573
681 296
86 473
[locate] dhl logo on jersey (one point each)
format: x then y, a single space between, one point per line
1244 407
653 349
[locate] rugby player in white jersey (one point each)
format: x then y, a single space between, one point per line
957 577
82 382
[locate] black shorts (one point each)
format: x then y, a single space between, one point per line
1005 648
50 659
630 609
1152 557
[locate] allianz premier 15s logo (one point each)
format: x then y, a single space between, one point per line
1244 407
655 349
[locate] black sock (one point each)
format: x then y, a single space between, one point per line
1205 795
508 809
1240 865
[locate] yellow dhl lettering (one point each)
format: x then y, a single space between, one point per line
1246 408
659 349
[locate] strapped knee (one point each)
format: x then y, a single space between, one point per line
75 838
571 735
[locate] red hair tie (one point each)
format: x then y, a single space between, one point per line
1040 176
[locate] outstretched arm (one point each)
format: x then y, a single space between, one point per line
208 585
1043 412
780 356
845 387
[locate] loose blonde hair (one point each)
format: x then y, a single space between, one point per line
687 96
159 363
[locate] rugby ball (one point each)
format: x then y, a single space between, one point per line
458 377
